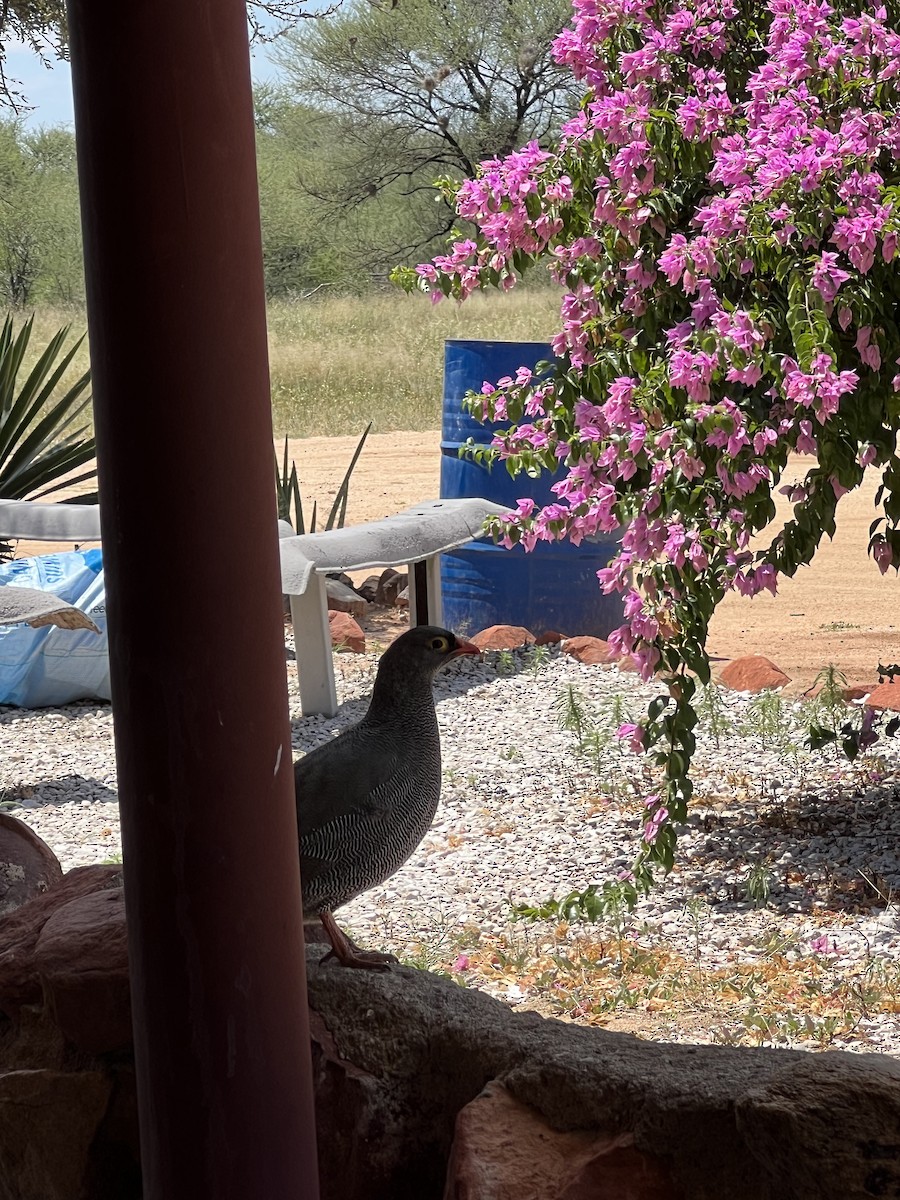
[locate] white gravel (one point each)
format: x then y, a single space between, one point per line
525 816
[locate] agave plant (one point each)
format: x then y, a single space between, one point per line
287 487
39 444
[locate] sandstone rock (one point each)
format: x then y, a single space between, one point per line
403 598
368 589
588 650
390 585
344 599
48 1120
752 673
19 932
792 1116
549 638
33 1041
505 1150
407 1051
27 864
81 958
885 696
346 633
397 1055
857 691
502 637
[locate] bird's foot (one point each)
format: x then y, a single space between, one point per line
347 953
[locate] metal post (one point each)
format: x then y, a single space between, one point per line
176 310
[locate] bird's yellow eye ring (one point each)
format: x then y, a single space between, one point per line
440 643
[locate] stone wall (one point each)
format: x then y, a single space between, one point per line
414 1073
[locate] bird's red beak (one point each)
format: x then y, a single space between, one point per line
463 648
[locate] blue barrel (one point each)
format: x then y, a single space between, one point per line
554 586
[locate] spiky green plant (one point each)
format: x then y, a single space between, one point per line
40 443
287 488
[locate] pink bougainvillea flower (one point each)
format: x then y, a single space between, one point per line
634 735
824 945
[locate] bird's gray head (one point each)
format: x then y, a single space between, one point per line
423 650
408 667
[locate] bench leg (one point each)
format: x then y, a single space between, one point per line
425 592
312 639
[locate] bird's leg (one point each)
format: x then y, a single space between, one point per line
347 952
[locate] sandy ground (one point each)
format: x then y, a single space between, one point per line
839 610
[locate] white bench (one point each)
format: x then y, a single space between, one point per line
413 538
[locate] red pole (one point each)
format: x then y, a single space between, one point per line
176 313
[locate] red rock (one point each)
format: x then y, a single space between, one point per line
19 932
505 1150
885 696
503 637
27 864
346 633
857 691
627 663
549 638
81 958
752 673
588 650
49 1122
403 598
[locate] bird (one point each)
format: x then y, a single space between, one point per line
366 799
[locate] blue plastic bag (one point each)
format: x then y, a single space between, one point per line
45 666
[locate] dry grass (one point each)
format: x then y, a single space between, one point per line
775 994
337 362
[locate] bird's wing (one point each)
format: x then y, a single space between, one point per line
348 778
341 787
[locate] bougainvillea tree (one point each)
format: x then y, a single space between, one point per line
723 214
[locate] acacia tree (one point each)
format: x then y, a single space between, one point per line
723 216
40 234
417 89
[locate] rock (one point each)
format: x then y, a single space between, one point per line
397 1055
346 633
33 1041
48 1121
885 696
588 650
390 585
403 598
857 691
786 1118
340 577
503 637
81 958
752 673
19 932
344 599
368 589
505 1150
27 864
406 1051
549 638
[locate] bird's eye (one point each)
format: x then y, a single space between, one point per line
440 643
